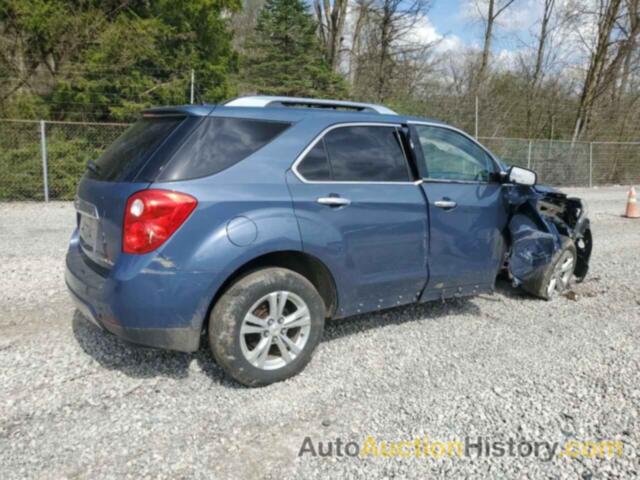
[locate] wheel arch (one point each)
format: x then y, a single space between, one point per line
309 266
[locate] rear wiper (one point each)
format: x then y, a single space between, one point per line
91 165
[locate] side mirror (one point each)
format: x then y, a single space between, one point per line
521 176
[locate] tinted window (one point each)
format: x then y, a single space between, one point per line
132 148
219 143
315 165
366 154
451 156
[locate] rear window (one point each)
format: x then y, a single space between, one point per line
218 143
130 151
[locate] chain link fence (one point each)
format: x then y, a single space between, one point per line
20 161
45 160
42 160
577 164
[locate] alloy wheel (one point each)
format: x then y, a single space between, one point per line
561 275
275 330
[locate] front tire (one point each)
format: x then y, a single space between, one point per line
558 276
266 326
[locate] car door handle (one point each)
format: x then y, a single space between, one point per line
446 204
334 201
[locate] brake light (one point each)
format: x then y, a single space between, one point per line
152 216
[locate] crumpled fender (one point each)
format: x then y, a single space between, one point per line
540 218
532 249
534 239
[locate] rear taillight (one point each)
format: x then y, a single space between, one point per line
152 216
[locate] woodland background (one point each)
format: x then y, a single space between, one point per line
574 79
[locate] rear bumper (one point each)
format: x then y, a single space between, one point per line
148 309
179 339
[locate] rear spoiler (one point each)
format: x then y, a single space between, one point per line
179 111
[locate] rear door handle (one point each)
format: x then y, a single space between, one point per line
334 201
446 204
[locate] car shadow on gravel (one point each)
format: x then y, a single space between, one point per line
136 361
430 311
505 288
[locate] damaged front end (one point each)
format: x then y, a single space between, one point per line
543 222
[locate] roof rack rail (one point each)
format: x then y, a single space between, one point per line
269 101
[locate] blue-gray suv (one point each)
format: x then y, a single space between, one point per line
250 223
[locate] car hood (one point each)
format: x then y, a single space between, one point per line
548 189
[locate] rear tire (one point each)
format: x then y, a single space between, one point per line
558 276
266 326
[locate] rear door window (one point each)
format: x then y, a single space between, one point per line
366 154
130 151
218 143
357 154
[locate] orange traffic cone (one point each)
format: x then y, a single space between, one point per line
632 205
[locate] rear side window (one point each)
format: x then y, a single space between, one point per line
130 151
315 166
358 154
219 143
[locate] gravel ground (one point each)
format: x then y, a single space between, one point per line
78 403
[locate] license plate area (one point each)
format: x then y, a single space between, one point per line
88 230
87 225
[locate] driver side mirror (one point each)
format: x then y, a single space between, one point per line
521 176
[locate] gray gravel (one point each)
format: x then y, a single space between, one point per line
78 403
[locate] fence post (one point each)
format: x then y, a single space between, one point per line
591 165
43 151
477 114
529 156
193 79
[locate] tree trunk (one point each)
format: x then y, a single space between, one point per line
385 45
596 68
494 11
331 18
354 54
536 76
486 49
